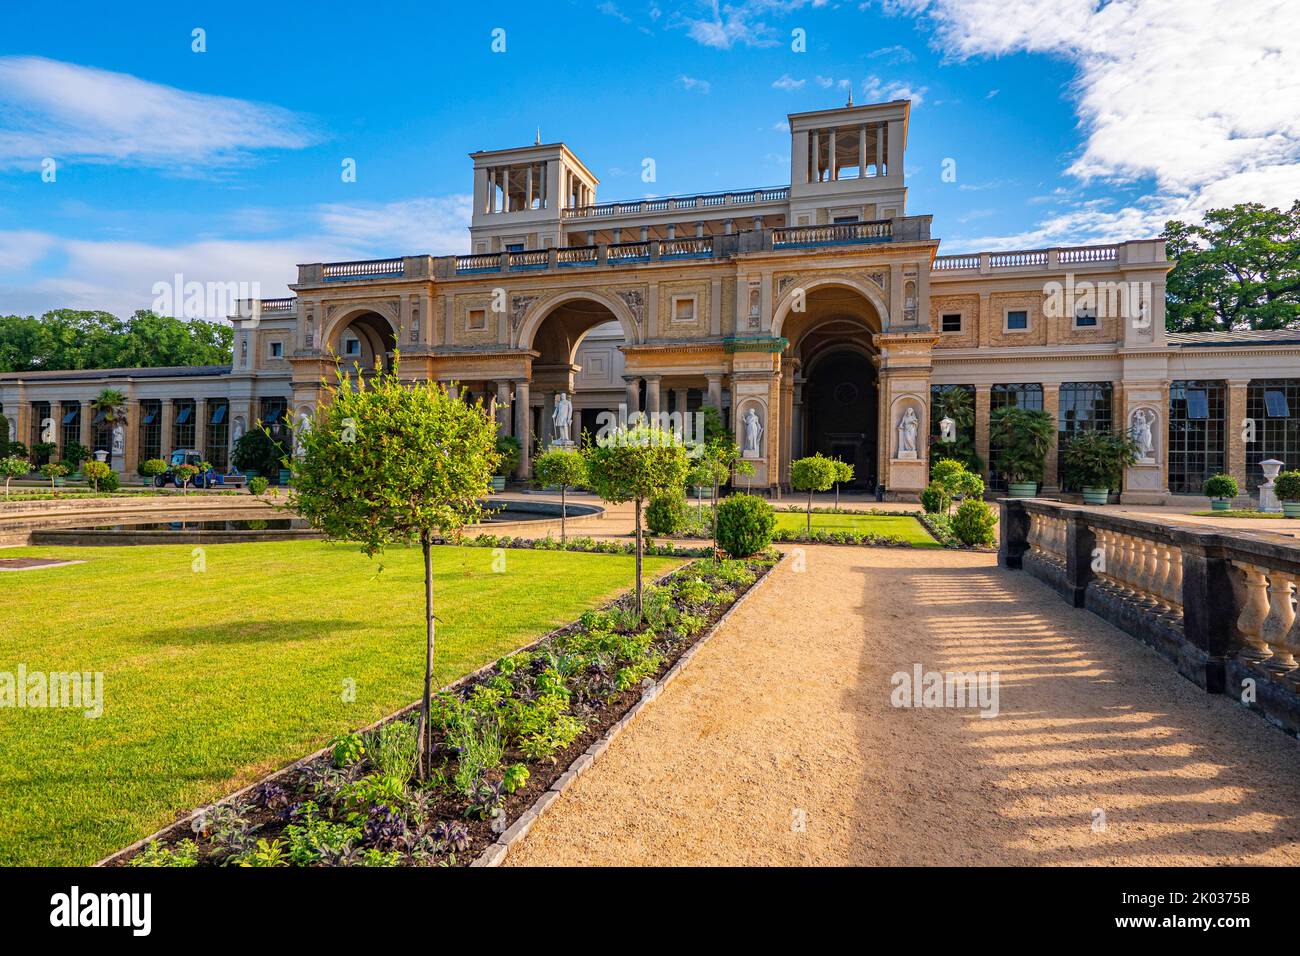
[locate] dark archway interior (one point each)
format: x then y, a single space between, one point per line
375 340
840 405
562 331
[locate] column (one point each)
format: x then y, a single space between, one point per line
678 396
1052 405
983 408
523 429
714 397
131 453
652 395
502 409
796 422
787 432
167 427
1235 450
86 426
201 426
633 394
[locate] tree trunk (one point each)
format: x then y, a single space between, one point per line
715 521
425 737
639 547
564 513
837 496
808 527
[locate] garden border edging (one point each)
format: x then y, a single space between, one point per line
497 852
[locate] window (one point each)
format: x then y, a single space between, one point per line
1082 406
218 436
845 220
40 412
277 350
683 308
1017 320
514 247
1028 395
1085 317
1197 431
271 412
150 430
70 430
476 320
1269 404
950 322
351 346
183 426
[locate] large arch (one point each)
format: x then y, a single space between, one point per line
375 332
867 290
539 312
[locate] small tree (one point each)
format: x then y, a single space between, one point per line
13 467
151 468
43 451
955 481
565 468
259 451
53 470
1024 435
74 454
814 473
385 462
183 475
633 465
96 471
843 473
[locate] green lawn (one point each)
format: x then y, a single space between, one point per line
902 526
213 678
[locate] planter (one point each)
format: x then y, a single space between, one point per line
1291 509
1095 496
1022 489
1221 504
498 483
284 476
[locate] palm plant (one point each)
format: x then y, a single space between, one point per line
112 403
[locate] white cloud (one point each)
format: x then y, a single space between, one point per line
788 83
1202 96
826 82
23 249
741 23
82 114
893 54
875 90
417 226
692 84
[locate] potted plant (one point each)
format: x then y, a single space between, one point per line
1287 488
1024 435
1221 489
1095 461
508 452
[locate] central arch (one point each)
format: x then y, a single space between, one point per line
362 336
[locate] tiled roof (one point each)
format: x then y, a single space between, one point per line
1244 337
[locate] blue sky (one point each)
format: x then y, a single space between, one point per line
1068 120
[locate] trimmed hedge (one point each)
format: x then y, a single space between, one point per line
745 525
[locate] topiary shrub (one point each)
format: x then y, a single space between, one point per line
745 525
934 499
1287 486
973 523
1223 486
667 513
258 485
110 482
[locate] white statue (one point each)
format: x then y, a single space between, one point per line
1140 428
947 429
753 434
561 418
908 426
304 429
237 432
13 430
119 440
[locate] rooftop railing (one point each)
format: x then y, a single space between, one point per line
1027 259
370 268
636 207
1219 604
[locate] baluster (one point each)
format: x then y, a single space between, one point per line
1280 622
1254 612
1164 581
1124 573
1176 579
1149 576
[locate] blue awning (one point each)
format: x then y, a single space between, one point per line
1198 403
184 416
1275 403
219 414
70 417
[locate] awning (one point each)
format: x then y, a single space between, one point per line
219 414
70 417
184 415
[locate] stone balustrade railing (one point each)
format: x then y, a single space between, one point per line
1030 259
1220 604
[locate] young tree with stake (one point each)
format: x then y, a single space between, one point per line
814 473
567 469
386 462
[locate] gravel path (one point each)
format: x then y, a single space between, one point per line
779 745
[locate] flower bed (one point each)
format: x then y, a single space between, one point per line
502 737
586 545
825 536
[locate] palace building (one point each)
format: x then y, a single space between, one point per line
823 305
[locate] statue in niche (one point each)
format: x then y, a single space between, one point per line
119 440
753 434
1140 427
908 426
561 419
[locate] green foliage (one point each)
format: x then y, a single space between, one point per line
151 467
974 522
667 513
1024 435
13 467
814 473
1286 486
1096 459
258 451
509 451
53 470
71 339
74 453
347 749
185 853
935 499
516 776
96 472
745 525
1236 270
560 468
264 854
258 485
43 451
112 403
843 471
955 481
394 749
312 838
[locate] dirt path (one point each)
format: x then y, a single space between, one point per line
785 716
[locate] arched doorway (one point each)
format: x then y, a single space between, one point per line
366 339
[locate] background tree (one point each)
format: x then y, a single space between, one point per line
53 470
565 469
13 467
633 465
814 473
386 463
72 339
843 473
1240 269
258 451
112 403
151 468
955 403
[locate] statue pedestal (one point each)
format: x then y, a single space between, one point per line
1143 485
565 444
906 475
